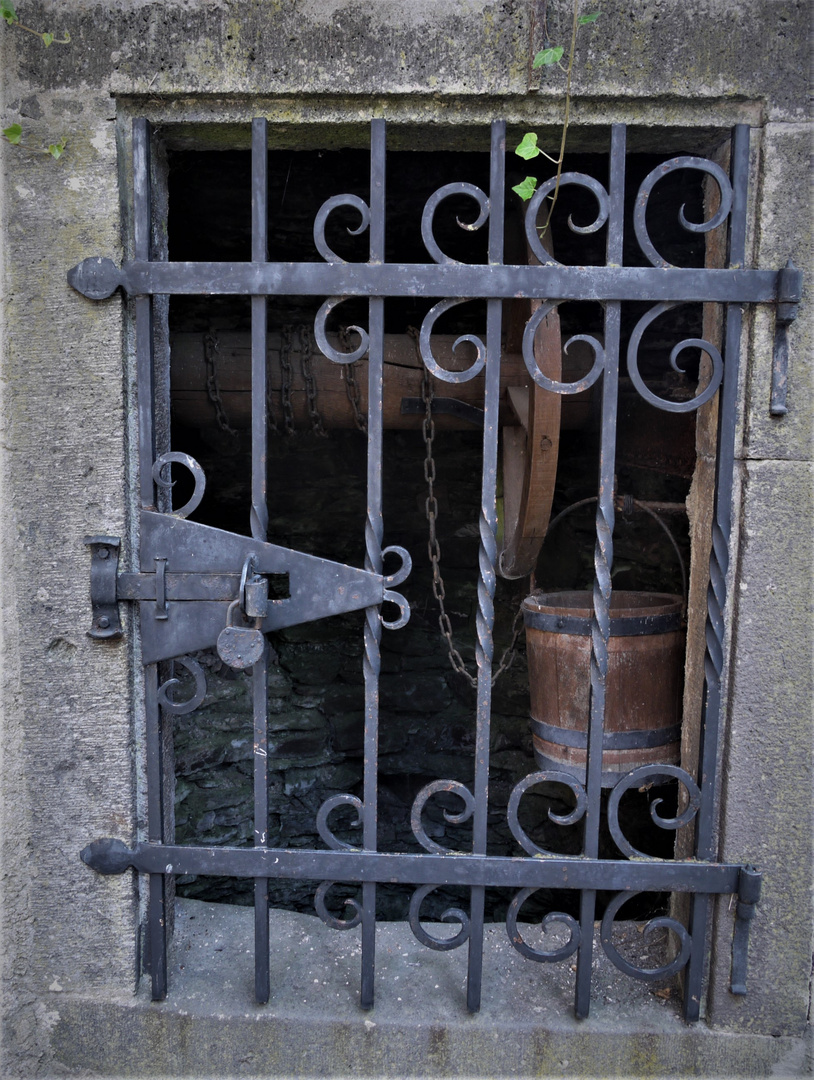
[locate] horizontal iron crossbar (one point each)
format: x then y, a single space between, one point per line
113 857
99 278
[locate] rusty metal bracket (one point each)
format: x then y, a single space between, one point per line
104 568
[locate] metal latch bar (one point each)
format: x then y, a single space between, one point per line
112 856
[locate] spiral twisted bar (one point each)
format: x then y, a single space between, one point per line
374 532
600 628
650 181
645 974
552 956
181 708
450 915
485 617
428 215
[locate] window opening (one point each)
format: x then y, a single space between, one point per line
199 583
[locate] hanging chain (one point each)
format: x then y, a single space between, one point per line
285 376
270 420
211 353
351 386
510 652
306 351
434 548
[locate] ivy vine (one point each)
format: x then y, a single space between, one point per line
14 132
527 148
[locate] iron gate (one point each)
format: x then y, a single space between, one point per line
192 579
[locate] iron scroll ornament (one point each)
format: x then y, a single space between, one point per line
646 188
545 191
547 956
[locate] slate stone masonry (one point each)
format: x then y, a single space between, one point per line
427 710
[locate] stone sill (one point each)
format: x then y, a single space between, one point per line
313 1026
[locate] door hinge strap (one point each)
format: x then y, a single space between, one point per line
104 568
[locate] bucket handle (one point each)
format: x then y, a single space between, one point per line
626 503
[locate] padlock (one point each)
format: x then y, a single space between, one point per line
256 597
240 646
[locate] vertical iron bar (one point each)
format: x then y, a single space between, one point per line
603 563
261 817
259 529
259 511
374 532
142 228
718 568
155 834
487 558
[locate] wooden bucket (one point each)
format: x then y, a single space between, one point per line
643 698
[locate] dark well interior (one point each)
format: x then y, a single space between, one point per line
317 504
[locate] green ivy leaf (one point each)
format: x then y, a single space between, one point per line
47 39
528 148
583 20
546 57
13 133
7 11
527 188
56 150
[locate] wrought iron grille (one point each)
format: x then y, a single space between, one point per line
197 585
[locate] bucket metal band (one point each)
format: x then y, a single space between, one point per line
610 776
611 740
620 626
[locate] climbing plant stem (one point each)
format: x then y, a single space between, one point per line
566 118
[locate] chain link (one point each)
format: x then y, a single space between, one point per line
211 353
306 351
434 548
270 419
285 376
351 386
